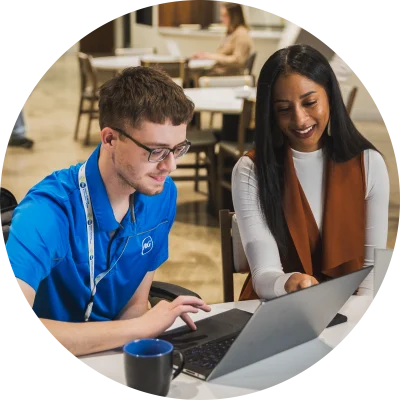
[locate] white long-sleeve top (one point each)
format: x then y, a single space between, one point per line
258 242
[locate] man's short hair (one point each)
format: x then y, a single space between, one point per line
143 94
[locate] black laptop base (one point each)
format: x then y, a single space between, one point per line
204 348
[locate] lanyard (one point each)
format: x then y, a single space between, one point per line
87 205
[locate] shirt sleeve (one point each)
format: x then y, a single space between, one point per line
377 210
258 242
36 243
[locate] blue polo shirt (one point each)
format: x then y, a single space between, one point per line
48 246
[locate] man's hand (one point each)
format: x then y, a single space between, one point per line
164 314
299 281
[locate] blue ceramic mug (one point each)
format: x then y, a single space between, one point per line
149 365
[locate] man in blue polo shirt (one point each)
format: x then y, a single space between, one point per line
84 243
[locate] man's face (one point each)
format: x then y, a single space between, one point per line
131 161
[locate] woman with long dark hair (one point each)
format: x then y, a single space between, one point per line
312 198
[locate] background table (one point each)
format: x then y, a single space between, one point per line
116 63
221 100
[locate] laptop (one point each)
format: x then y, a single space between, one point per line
173 48
382 261
234 339
175 51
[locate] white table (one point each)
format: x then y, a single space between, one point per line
117 63
201 64
221 100
252 378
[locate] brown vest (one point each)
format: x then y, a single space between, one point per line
340 248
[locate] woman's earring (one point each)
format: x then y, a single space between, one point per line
328 129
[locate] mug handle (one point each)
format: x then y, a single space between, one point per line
180 367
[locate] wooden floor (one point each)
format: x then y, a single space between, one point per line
195 256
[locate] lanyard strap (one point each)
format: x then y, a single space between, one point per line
87 205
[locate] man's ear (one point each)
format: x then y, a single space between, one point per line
108 137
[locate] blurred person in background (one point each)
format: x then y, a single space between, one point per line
236 47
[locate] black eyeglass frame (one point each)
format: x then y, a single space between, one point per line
186 143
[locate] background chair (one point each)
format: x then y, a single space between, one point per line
230 152
233 256
89 95
203 146
175 69
248 69
202 141
349 95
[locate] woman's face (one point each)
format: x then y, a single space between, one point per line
301 108
225 20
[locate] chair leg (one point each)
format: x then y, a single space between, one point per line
220 177
196 172
87 138
212 180
78 120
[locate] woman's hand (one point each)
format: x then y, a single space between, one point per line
203 56
299 281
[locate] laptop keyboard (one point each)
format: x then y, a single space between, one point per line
208 355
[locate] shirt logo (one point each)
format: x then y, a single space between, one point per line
147 245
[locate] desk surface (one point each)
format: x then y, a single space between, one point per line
252 378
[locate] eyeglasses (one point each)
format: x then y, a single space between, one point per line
159 154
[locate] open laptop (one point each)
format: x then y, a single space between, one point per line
233 339
173 48
175 51
382 261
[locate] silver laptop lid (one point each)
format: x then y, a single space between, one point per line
382 261
287 321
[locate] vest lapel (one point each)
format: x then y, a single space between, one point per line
299 217
344 217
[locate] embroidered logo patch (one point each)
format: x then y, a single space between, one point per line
147 245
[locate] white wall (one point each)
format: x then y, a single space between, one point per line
254 16
148 36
